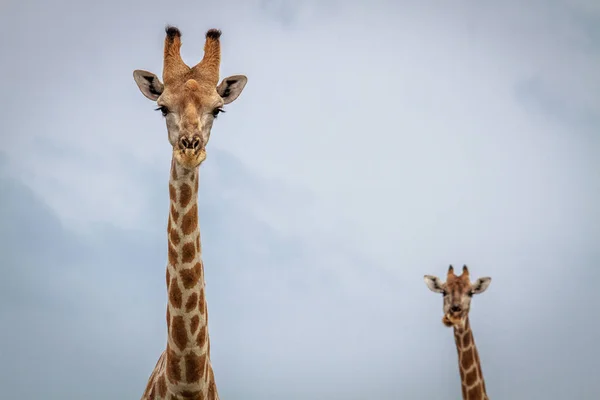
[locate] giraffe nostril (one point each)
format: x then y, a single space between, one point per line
455 308
191 143
195 142
183 143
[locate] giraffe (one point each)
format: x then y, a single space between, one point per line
190 99
458 291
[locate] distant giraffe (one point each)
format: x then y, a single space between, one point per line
190 100
457 292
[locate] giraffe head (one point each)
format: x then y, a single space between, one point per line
457 291
190 98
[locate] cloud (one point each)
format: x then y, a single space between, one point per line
93 297
372 145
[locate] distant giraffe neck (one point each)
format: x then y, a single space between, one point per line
188 368
473 385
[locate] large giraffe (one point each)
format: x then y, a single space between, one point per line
458 291
190 101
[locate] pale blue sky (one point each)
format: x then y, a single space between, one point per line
372 145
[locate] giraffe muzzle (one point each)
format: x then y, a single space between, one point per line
190 151
453 318
193 142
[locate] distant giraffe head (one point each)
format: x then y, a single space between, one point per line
190 97
458 292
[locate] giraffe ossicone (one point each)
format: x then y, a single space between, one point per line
189 98
457 292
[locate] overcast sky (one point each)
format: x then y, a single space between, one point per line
374 143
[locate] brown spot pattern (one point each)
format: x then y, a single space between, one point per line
201 338
475 393
178 332
174 236
195 395
479 367
185 194
190 220
188 252
462 374
190 276
466 340
481 377
464 391
173 369
466 360
201 303
194 324
175 295
174 213
471 377
172 193
172 255
191 302
194 367
162 386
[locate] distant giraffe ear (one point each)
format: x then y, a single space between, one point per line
231 87
434 283
149 84
481 285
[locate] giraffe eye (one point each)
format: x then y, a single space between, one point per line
216 111
164 110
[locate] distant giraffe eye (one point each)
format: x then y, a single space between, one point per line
164 110
216 111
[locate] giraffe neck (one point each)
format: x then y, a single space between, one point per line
473 385
188 369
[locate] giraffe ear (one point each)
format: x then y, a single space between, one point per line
149 84
434 283
231 87
481 285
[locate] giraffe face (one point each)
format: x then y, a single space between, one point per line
190 99
189 111
457 293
